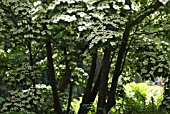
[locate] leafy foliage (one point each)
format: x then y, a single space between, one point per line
76 29
139 98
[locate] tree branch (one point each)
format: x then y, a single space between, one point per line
122 51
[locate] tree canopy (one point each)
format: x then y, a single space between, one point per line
50 47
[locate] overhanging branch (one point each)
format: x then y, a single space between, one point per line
122 51
141 17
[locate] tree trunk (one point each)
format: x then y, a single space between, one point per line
84 105
51 76
31 63
104 81
31 76
70 98
122 51
117 71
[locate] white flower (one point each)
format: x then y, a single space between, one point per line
56 19
82 14
116 7
68 18
25 90
126 7
51 7
8 51
123 1
81 28
135 7
70 11
1 51
33 18
71 1
55 55
85 1
85 74
37 3
57 2
163 1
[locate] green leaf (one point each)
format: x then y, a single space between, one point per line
1 99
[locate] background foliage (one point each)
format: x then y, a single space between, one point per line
83 53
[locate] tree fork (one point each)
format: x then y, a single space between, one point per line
92 95
88 92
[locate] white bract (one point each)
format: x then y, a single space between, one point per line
123 1
1 51
68 18
81 28
135 7
81 14
126 7
52 6
163 1
37 3
116 7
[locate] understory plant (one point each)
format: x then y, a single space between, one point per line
139 99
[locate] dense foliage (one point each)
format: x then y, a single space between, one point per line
55 52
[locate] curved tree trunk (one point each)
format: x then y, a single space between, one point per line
122 51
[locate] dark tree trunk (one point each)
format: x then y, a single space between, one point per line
31 77
104 80
122 51
51 76
84 109
84 105
51 71
117 71
70 97
31 62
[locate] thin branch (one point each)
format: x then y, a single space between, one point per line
41 46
